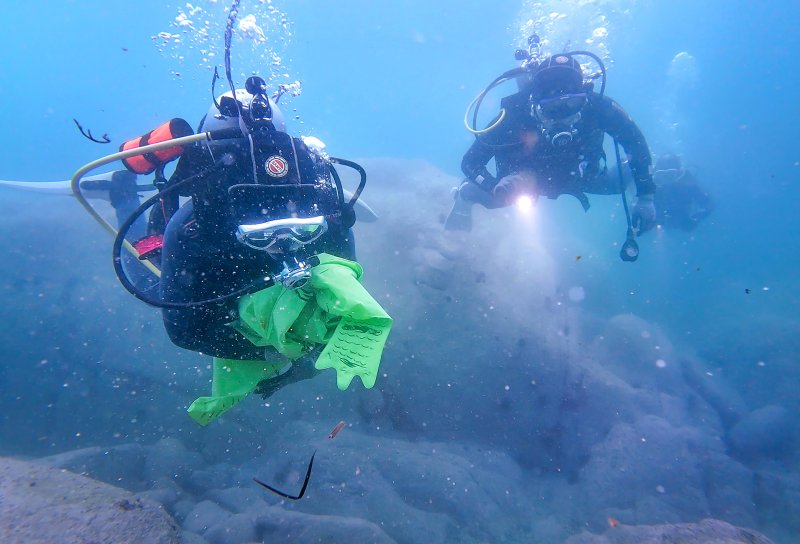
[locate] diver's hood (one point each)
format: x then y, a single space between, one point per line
229 116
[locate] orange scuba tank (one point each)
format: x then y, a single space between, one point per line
148 162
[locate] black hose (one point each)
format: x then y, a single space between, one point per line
505 75
338 182
122 276
630 249
361 172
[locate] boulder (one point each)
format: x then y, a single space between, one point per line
765 432
43 504
707 531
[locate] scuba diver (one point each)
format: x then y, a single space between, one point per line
680 202
548 141
266 211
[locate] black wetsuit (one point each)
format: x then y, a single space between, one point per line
518 145
201 257
682 203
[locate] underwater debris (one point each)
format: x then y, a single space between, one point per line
339 426
88 134
302 489
335 430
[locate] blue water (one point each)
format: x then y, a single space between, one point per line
385 82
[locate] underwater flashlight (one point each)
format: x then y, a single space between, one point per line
525 204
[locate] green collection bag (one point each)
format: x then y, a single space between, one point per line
332 309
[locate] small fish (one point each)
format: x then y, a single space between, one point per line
613 522
335 431
747 291
125 49
577 257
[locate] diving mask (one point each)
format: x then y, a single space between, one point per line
559 107
281 235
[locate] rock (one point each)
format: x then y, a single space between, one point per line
729 489
766 432
777 498
181 509
201 481
716 392
651 468
278 525
192 538
239 499
448 489
169 457
235 529
432 268
204 515
708 531
119 465
165 492
639 352
43 504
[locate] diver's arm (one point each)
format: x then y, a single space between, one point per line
620 126
474 165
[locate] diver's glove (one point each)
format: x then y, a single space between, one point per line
512 186
643 216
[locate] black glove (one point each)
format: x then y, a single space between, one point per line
643 216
